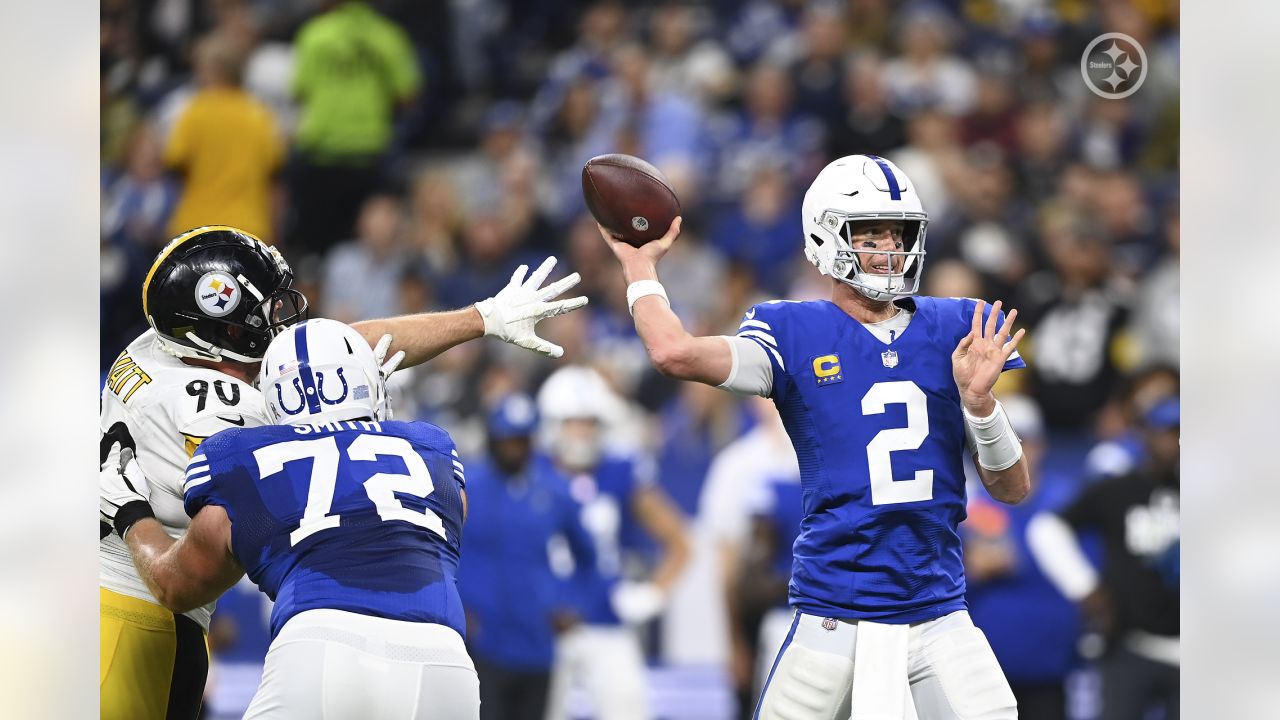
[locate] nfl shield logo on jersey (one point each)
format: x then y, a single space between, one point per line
829 624
889 358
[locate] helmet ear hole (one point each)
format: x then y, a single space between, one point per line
816 240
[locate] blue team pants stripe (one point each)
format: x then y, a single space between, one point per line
791 634
304 370
895 192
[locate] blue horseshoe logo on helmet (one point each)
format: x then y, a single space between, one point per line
302 399
320 389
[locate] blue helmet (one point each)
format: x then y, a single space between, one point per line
514 416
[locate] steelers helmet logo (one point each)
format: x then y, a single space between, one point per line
640 223
217 294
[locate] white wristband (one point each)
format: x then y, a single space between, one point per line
997 444
641 288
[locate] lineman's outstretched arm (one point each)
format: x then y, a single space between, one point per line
192 571
672 350
510 316
182 574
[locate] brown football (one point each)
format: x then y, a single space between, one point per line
629 197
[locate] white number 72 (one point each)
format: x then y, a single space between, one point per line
381 487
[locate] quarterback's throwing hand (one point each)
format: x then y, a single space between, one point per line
648 254
512 314
979 359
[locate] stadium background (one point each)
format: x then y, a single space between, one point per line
1060 203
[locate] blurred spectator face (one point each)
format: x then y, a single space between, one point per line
823 32
603 25
1076 186
631 65
988 183
924 36
952 278
1041 131
486 241
868 236
218 62
1119 202
415 294
768 95
995 95
766 197
931 130
578 443
379 223
578 111
1081 257
863 88
511 454
671 29
144 154
435 199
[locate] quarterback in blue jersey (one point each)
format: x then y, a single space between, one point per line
351 523
881 392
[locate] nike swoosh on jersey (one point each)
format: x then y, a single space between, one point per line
751 313
238 421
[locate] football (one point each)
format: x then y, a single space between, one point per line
629 197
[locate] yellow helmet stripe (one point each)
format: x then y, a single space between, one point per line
173 245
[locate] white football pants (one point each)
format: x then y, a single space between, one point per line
606 661
336 665
942 669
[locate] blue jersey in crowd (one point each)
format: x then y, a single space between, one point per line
879 435
1031 627
507 582
780 503
364 517
605 495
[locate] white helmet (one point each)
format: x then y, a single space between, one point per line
322 371
575 392
863 187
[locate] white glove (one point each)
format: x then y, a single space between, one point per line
385 366
636 602
123 494
512 314
385 369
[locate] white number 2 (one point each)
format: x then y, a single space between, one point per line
380 488
884 489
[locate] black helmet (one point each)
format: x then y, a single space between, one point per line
220 293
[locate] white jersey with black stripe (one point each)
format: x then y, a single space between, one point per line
161 408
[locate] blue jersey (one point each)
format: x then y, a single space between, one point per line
879 434
606 494
512 522
364 517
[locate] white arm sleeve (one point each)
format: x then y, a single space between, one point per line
1054 546
751 373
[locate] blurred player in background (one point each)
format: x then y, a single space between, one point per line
350 522
603 654
1134 603
880 411
737 477
1033 629
515 602
214 297
777 510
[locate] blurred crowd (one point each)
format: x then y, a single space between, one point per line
408 156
